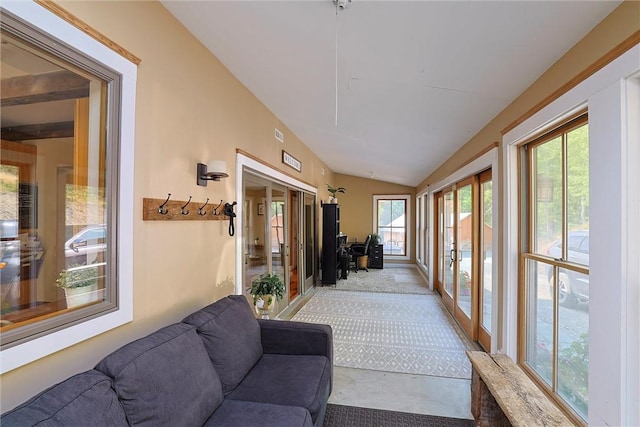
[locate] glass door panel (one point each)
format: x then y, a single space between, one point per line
294 244
439 246
256 253
486 264
277 242
464 256
449 247
465 248
308 245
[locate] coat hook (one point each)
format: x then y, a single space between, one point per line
182 211
161 209
200 212
215 210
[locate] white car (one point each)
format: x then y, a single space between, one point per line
88 246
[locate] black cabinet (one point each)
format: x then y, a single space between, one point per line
375 256
331 252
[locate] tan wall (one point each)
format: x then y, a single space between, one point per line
189 109
356 205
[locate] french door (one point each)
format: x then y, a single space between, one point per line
279 229
463 246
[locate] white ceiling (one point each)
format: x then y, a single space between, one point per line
416 79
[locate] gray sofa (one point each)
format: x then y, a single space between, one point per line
219 367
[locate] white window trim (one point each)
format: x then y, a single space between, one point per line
409 221
613 103
37 348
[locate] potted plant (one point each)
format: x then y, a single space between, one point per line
334 191
265 290
80 284
375 240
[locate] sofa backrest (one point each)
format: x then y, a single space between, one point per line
231 335
83 399
165 378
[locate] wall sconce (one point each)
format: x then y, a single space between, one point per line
212 171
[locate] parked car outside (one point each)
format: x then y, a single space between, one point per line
573 286
88 246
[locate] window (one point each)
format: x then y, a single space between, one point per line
391 224
67 127
555 256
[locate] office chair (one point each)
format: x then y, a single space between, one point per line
358 250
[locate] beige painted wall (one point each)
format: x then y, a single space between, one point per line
356 205
189 109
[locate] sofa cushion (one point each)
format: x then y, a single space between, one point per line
231 335
83 399
165 378
236 413
294 380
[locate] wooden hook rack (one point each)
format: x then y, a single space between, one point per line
151 210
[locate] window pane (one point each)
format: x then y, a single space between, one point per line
578 194
441 244
448 243
486 199
465 247
392 226
539 347
547 194
573 343
53 177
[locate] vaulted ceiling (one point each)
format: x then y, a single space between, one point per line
415 79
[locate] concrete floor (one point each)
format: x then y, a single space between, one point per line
418 394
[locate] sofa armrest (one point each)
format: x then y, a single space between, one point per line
286 337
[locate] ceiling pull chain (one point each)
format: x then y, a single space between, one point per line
336 80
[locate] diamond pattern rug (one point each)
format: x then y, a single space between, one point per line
404 333
400 280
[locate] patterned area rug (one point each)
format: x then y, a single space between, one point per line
412 334
351 416
399 280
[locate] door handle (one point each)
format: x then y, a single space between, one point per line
451 257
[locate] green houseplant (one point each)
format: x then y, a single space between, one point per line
80 284
265 290
334 191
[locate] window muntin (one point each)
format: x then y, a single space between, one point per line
555 255
67 184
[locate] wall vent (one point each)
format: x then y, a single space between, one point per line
279 135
